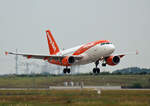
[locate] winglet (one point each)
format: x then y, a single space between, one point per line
137 52
6 53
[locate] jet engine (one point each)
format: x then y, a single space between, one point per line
113 60
68 60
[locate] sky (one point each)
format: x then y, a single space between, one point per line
126 23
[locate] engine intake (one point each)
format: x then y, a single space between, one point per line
71 60
113 60
66 61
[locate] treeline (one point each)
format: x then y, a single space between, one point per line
125 71
132 71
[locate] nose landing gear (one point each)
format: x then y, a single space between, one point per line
96 70
103 64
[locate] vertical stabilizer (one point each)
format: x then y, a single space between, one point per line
53 47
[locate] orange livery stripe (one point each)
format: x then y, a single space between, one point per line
87 46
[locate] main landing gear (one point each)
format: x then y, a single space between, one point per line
66 70
96 70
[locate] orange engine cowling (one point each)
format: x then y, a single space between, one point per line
113 60
66 61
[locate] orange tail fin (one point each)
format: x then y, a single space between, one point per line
53 47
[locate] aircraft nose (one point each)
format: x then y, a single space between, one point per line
111 48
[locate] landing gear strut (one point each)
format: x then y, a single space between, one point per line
66 70
104 63
96 70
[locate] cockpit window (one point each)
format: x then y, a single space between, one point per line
106 43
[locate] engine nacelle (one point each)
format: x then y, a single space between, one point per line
68 60
113 60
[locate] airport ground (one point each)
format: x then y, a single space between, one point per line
88 80
84 97
73 97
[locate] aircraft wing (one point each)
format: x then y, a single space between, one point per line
44 57
129 53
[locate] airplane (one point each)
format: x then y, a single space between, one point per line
96 51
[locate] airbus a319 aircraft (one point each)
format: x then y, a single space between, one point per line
100 50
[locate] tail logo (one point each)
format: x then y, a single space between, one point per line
51 42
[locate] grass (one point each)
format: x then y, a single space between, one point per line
74 98
45 82
83 97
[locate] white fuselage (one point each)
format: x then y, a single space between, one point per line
92 54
